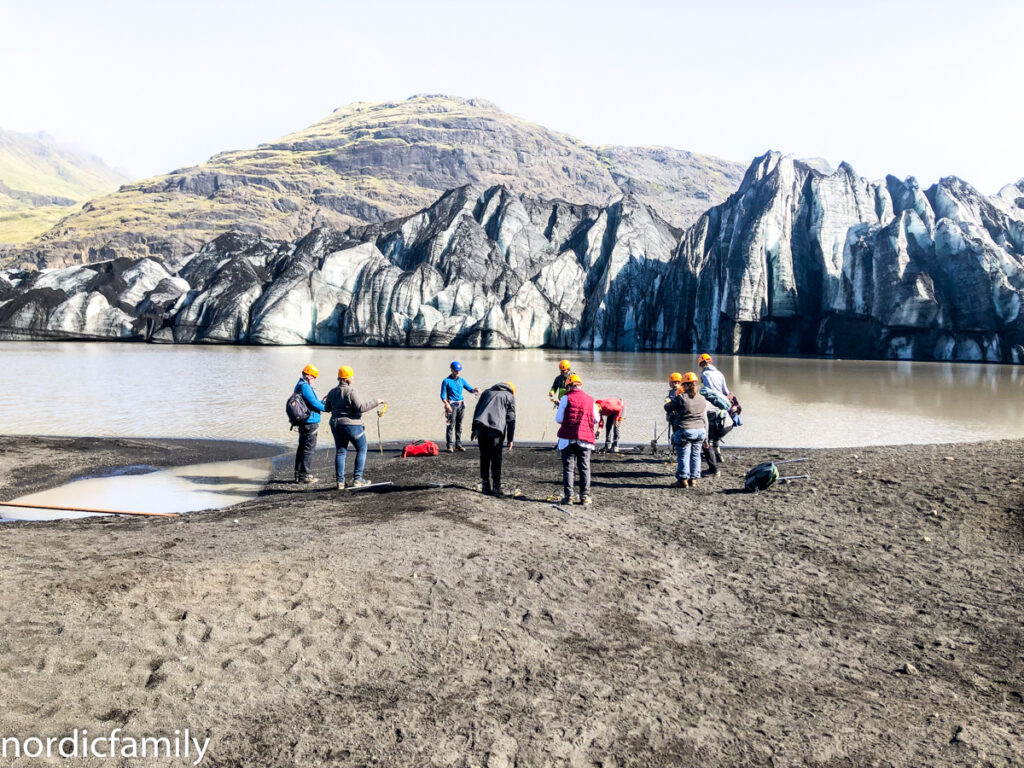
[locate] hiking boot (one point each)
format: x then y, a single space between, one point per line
449 449
361 483
484 488
459 449
341 486
680 484
309 480
615 448
693 482
607 448
566 500
585 501
497 491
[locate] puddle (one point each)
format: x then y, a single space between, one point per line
179 489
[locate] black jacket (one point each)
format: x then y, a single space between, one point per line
496 409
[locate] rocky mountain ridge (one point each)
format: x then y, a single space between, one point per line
369 163
796 261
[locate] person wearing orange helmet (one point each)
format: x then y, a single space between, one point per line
713 379
689 410
580 421
494 422
560 384
711 376
347 410
613 411
308 429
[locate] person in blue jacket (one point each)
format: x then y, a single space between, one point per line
308 430
452 387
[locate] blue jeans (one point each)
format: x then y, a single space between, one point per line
688 443
346 435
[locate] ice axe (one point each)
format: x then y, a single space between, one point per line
380 412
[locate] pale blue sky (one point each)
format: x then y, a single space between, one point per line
909 88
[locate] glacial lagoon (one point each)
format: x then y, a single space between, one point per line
140 390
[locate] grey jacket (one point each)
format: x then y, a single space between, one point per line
345 406
496 409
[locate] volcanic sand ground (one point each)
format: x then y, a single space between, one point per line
870 618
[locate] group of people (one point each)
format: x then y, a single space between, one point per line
699 411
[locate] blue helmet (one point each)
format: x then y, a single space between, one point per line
456 365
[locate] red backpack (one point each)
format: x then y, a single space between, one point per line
420 448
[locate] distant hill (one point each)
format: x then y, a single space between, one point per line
368 163
41 182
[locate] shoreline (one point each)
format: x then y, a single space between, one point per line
858 617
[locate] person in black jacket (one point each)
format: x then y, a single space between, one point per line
494 422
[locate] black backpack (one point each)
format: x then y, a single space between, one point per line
296 409
762 477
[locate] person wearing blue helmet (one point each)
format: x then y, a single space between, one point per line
452 388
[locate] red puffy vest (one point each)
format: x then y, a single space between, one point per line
578 419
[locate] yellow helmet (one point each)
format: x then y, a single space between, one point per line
511 386
675 378
311 370
575 379
564 366
704 359
346 372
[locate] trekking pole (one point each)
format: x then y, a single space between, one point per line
380 412
545 432
794 477
790 461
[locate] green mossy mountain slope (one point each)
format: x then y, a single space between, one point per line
370 163
41 182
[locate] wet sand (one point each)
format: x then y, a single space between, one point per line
853 619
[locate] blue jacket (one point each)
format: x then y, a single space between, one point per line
451 389
314 403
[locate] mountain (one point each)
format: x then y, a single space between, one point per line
41 182
795 261
369 163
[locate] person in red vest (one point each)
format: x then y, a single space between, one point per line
613 410
581 425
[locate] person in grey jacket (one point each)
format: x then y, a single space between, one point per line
689 413
494 421
347 409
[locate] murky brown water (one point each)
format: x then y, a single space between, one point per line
239 392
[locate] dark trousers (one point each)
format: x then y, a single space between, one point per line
453 433
304 454
490 442
708 452
575 456
611 430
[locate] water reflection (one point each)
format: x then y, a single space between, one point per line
179 489
239 392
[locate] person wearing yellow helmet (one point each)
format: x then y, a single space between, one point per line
689 410
308 429
347 410
560 384
494 422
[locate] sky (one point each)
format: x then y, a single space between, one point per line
927 89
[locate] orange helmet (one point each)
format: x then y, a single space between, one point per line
564 366
511 386
311 370
346 372
689 376
575 379
675 378
704 359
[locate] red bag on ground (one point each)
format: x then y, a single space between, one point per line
420 448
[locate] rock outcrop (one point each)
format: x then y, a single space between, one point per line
796 261
369 163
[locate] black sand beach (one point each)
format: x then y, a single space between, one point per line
859 618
